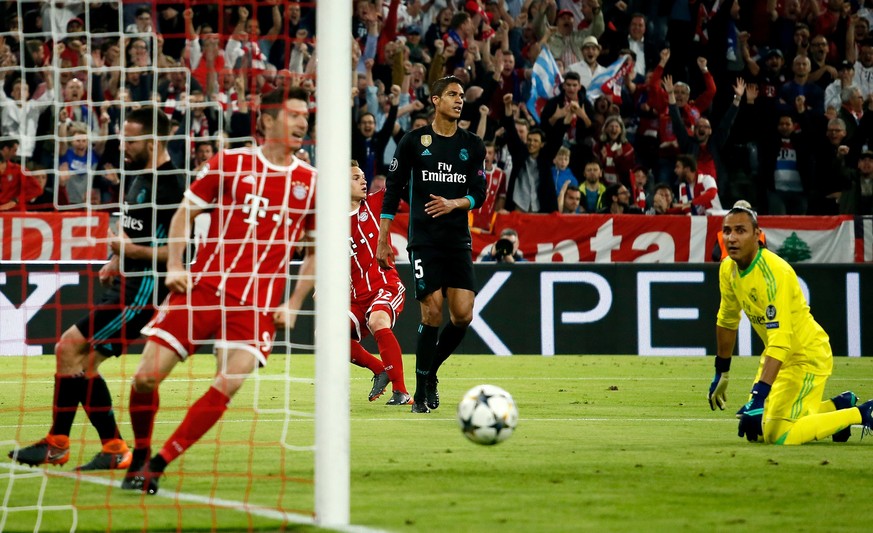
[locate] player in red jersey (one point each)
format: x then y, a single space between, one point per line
377 295
262 204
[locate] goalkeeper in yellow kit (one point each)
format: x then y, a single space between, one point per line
785 405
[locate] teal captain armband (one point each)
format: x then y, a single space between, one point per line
472 202
385 215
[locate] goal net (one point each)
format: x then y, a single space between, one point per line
72 73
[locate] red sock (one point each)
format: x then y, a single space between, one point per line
200 418
143 408
389 349
363 358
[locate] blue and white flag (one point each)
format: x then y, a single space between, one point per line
608 83
545 82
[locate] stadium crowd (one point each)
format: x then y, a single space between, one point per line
670 106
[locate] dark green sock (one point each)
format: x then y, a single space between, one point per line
69 391
425 352
450 337
98 407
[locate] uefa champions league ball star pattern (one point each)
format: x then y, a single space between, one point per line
487 414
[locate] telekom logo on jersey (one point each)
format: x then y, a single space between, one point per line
256 207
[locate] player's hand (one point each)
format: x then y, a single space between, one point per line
177 280
718 390
385 255
751 415
285 317
440 206
109 272
118 243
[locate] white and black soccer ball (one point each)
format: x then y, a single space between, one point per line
487 414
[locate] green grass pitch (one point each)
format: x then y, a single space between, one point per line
603 444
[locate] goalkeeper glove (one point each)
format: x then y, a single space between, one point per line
718 387
751 415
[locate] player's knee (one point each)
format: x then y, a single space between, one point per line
462 321
378 320
69 355
145 382
773 431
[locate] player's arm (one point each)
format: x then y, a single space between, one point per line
395 183
286 315
177 241
726 326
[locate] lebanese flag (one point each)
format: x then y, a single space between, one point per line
811 239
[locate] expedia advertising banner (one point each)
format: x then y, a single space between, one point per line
527 308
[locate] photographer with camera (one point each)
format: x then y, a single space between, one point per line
505 249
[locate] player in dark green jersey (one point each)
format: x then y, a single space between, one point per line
139 253
440 170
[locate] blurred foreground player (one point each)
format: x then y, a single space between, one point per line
261 201
126 306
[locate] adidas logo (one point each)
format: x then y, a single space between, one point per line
426 152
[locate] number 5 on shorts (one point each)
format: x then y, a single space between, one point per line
419 270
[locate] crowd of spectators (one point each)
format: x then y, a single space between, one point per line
663 106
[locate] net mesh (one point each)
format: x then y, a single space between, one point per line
72 73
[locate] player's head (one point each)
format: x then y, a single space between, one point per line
359 183
139 144
741 233
285 116
447 97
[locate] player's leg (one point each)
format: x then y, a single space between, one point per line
380 323
461 283
381 316
97 403
71 352
425 351
844 400
359 356
791 412
234 365
428 291
158 360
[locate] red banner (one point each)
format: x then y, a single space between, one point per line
71 236
626 238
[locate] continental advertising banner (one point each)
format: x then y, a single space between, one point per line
527 308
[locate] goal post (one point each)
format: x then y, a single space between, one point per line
332 433
325 441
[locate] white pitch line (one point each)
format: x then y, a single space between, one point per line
233 505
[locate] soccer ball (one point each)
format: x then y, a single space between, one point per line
487 414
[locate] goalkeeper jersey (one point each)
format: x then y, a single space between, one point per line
769 293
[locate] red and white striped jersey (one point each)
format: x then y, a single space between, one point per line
366 274
495 187
259 212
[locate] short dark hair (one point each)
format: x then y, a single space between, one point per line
438 87
458 18
688 161
537 131
609 192
660 186
8 143
753 216
272 102
143 11
198 144
153 121
573 75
